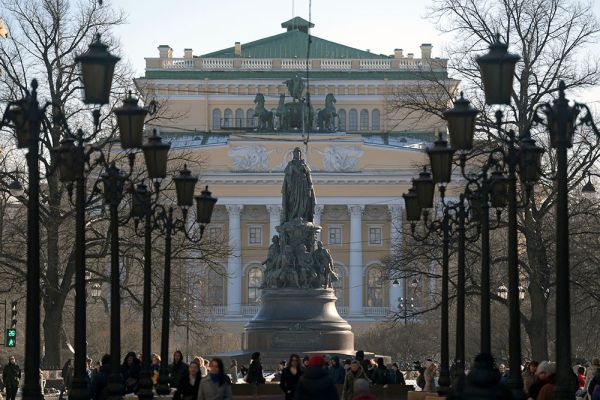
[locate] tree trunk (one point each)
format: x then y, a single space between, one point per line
52 326
537 326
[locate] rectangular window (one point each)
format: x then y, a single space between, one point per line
215 232
375 235
255 234
335 235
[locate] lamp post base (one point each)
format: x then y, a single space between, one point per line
145 391
163 388
115 387
79 390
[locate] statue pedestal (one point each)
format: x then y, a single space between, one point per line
293 320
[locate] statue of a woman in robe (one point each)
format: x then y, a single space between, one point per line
298 193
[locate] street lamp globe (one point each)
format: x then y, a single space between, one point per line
184 186
70 160
130 118
503 292
205 203
96 291
530 161
23 128
440 158
155 154
499 189
140 201
561 118
412 206
588 190
497 73
113 181
15 188
425 188
97 70
461 123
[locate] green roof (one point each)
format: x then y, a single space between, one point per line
292 44
330 75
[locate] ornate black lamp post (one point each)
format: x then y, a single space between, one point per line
497 72
184 186
561 119
25 116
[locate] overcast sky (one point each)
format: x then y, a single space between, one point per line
209 25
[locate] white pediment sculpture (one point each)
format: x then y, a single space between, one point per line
341 158
253 158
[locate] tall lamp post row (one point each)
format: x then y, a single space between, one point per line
516 154
28 118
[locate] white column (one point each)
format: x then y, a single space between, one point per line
274 219
356 271
396 292
234 262
317 218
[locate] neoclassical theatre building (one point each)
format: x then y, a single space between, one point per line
360 169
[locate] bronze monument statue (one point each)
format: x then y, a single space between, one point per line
298 194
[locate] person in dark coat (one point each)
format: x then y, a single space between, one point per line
100 379
336 371
131 372
395 376
255 371
379 376
11 376
290 377
315 383
188 386
484 381
178 370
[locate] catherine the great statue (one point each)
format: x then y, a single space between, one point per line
298 193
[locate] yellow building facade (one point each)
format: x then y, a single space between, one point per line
360 169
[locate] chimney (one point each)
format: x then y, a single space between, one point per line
410 55
165 51
426 51
237 49
398 53
187 53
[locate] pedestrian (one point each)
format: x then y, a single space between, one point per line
305 360
233 371
200 361
362 391
483 380
277 375
255 371
347 363
503 374
315 383
11 376
155 368
100 379
130 369
336 371
379 376
590 373
545 375
354 373
190 384
429 375
67 375
580 382
217 386
290 376
529 375
395 376
177 370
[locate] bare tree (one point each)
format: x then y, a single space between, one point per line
550 35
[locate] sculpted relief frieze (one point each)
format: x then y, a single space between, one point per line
341 158
253 158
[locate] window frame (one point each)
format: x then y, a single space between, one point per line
375 112
257 289
260 236
353 120
363 120
381 238
376 268
216 118
330 227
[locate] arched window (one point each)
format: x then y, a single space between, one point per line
338 286
375 287
216 118
342 120
239 118
352 120
250 118
255 280
375 120
364 120
213 289
228 118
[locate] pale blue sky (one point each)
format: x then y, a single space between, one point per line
208 25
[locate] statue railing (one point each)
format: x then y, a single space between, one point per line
294 64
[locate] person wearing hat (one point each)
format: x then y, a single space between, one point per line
315 383
255 371
305 362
